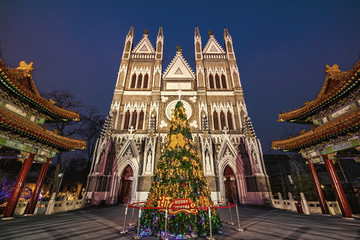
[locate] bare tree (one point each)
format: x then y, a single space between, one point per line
64 99
90 128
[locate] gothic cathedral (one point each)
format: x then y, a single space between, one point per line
145 94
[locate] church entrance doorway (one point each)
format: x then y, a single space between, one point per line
126 185
231 192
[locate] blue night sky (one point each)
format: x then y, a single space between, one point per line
281 46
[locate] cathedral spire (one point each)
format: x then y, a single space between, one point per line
197 42
158 59
128 43
199 60
160 33
130 33
159 44
228 45
197 34
226 33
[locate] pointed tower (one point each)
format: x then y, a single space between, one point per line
120 82
228 139
199 61
145 96
134 111
158 62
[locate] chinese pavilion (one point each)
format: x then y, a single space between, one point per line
22 115
145 95
335 119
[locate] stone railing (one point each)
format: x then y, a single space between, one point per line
306 207
50 207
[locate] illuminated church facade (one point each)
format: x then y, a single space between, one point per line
145 93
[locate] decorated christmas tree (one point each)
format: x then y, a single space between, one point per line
179 176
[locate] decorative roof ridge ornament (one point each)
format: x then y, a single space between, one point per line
211 33
146 32
331 71
12 77
27 67
336 82
178 48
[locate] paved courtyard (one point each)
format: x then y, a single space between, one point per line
106 223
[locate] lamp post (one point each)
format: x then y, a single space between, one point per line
61 175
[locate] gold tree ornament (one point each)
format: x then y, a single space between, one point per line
177 140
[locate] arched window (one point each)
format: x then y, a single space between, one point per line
217 81
133 119
211 80
159 48
198 47
127 119
216 121
133 81
146 80
139 82
229 48
222 119
141 120
223 81
230 122
127 48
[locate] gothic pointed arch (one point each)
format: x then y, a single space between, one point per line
123 163
159 47
223 81
211 81
146 81
139 81
227 149
217 81
216 120
124 194
127 119
133 81
127 47
222 120
141 120
230 121
133 119
128 150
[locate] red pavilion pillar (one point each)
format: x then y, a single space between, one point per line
319 192
339 191
19 184
35 196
